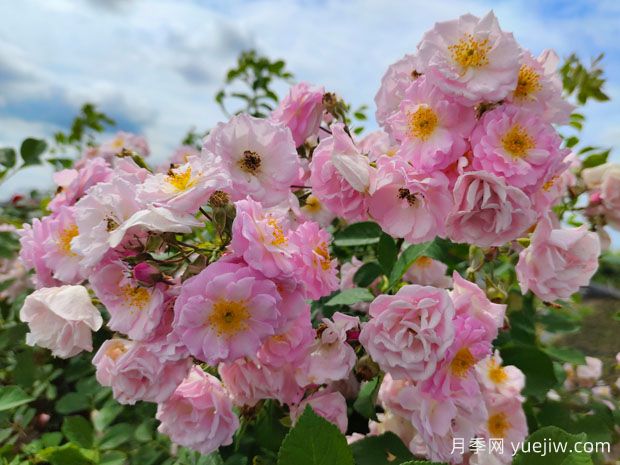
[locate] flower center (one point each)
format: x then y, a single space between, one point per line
470 53
115 350
322 256
424 262
462 362
118 143
65 238
111 224
498 425
422 122
497 374
549 184
517 141
250 163
181 180
135 297
228 317
405 194
528 83
312 204
278 235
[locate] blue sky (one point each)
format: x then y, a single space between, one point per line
155 65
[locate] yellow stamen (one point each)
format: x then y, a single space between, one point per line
549 184
181 180
65 238
278 235
470 53
323 256
528 83
115 349
462 362
118 143
498 425
135 297
422 123
313 205
497 374
228 317
517 142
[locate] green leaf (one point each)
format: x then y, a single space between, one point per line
367 398
67 454
314 441
535 364
363 233
596 159
79 431
31 150
386 449
72 402
104 417
113 457
566 354
424 462
552 436
350 297
116 435
7 157
410 255
387 253
13 396
367 273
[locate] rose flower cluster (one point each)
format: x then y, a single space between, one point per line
206 268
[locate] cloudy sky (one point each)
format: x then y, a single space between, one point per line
155 65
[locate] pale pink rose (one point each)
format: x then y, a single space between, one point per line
330 405
313 265
61 319
487 212
604 180
439 422
110 210
409 333
331 358
410 204
58 255
15 278
184 188
518 146
32 238
507 381
558 261
539 88
263 239
135 371
456 373
400 426
301 111
552 192
354 437
164 341
471 58
135 310
426 271
471 302
180 156
589 373
124 140
432 127
73 183
376 144
199 414
291 344
389 396
341 176
258 155
394 82
226 312
505 420
249 381
314 210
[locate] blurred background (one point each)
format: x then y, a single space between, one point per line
154 66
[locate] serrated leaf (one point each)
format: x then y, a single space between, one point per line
314 441
552 436
79 431
350 297
72 402
363 233
13 396
31 150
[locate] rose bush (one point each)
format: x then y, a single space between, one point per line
286 283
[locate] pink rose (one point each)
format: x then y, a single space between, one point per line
124 140
409 332
506 421
61 319
301 111
330 405
291 344
199 414
428 272
558 261
136 371
507 381
487 212
32 239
